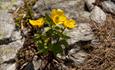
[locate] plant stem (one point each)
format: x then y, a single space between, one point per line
62 33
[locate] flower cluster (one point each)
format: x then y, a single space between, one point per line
50 36
58 17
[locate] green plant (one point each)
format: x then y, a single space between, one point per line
47 32
51 38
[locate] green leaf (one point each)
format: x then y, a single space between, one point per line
56 48
65 36
43 51
48 19
40 44
17 24
47 29
58 27
61 35
64 42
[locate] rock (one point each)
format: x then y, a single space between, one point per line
16 35
72 8
89 4
8 52
8 67
37 64
7 28
84 17
9 49
6 24
75 59
74 49
19 2
7 4
109 6
82 32
98 15
78 57
11 67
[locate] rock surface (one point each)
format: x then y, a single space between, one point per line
89 4
78 57
109 6
9 38
8 52
73 9
82 32
98 15
6 24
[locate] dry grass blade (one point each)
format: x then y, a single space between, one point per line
103 56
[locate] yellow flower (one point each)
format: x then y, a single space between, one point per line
58 16
57 12
39 22
69 23
59 19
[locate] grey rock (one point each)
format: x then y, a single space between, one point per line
16 35
109 6
19 2
16 6
72 8
8 67
78 57
37 64
75 58
81 32
74 50
84 17
89 4
7 4
8 52
98 15
11 67
6 24
40 8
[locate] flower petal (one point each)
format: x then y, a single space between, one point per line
33 22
